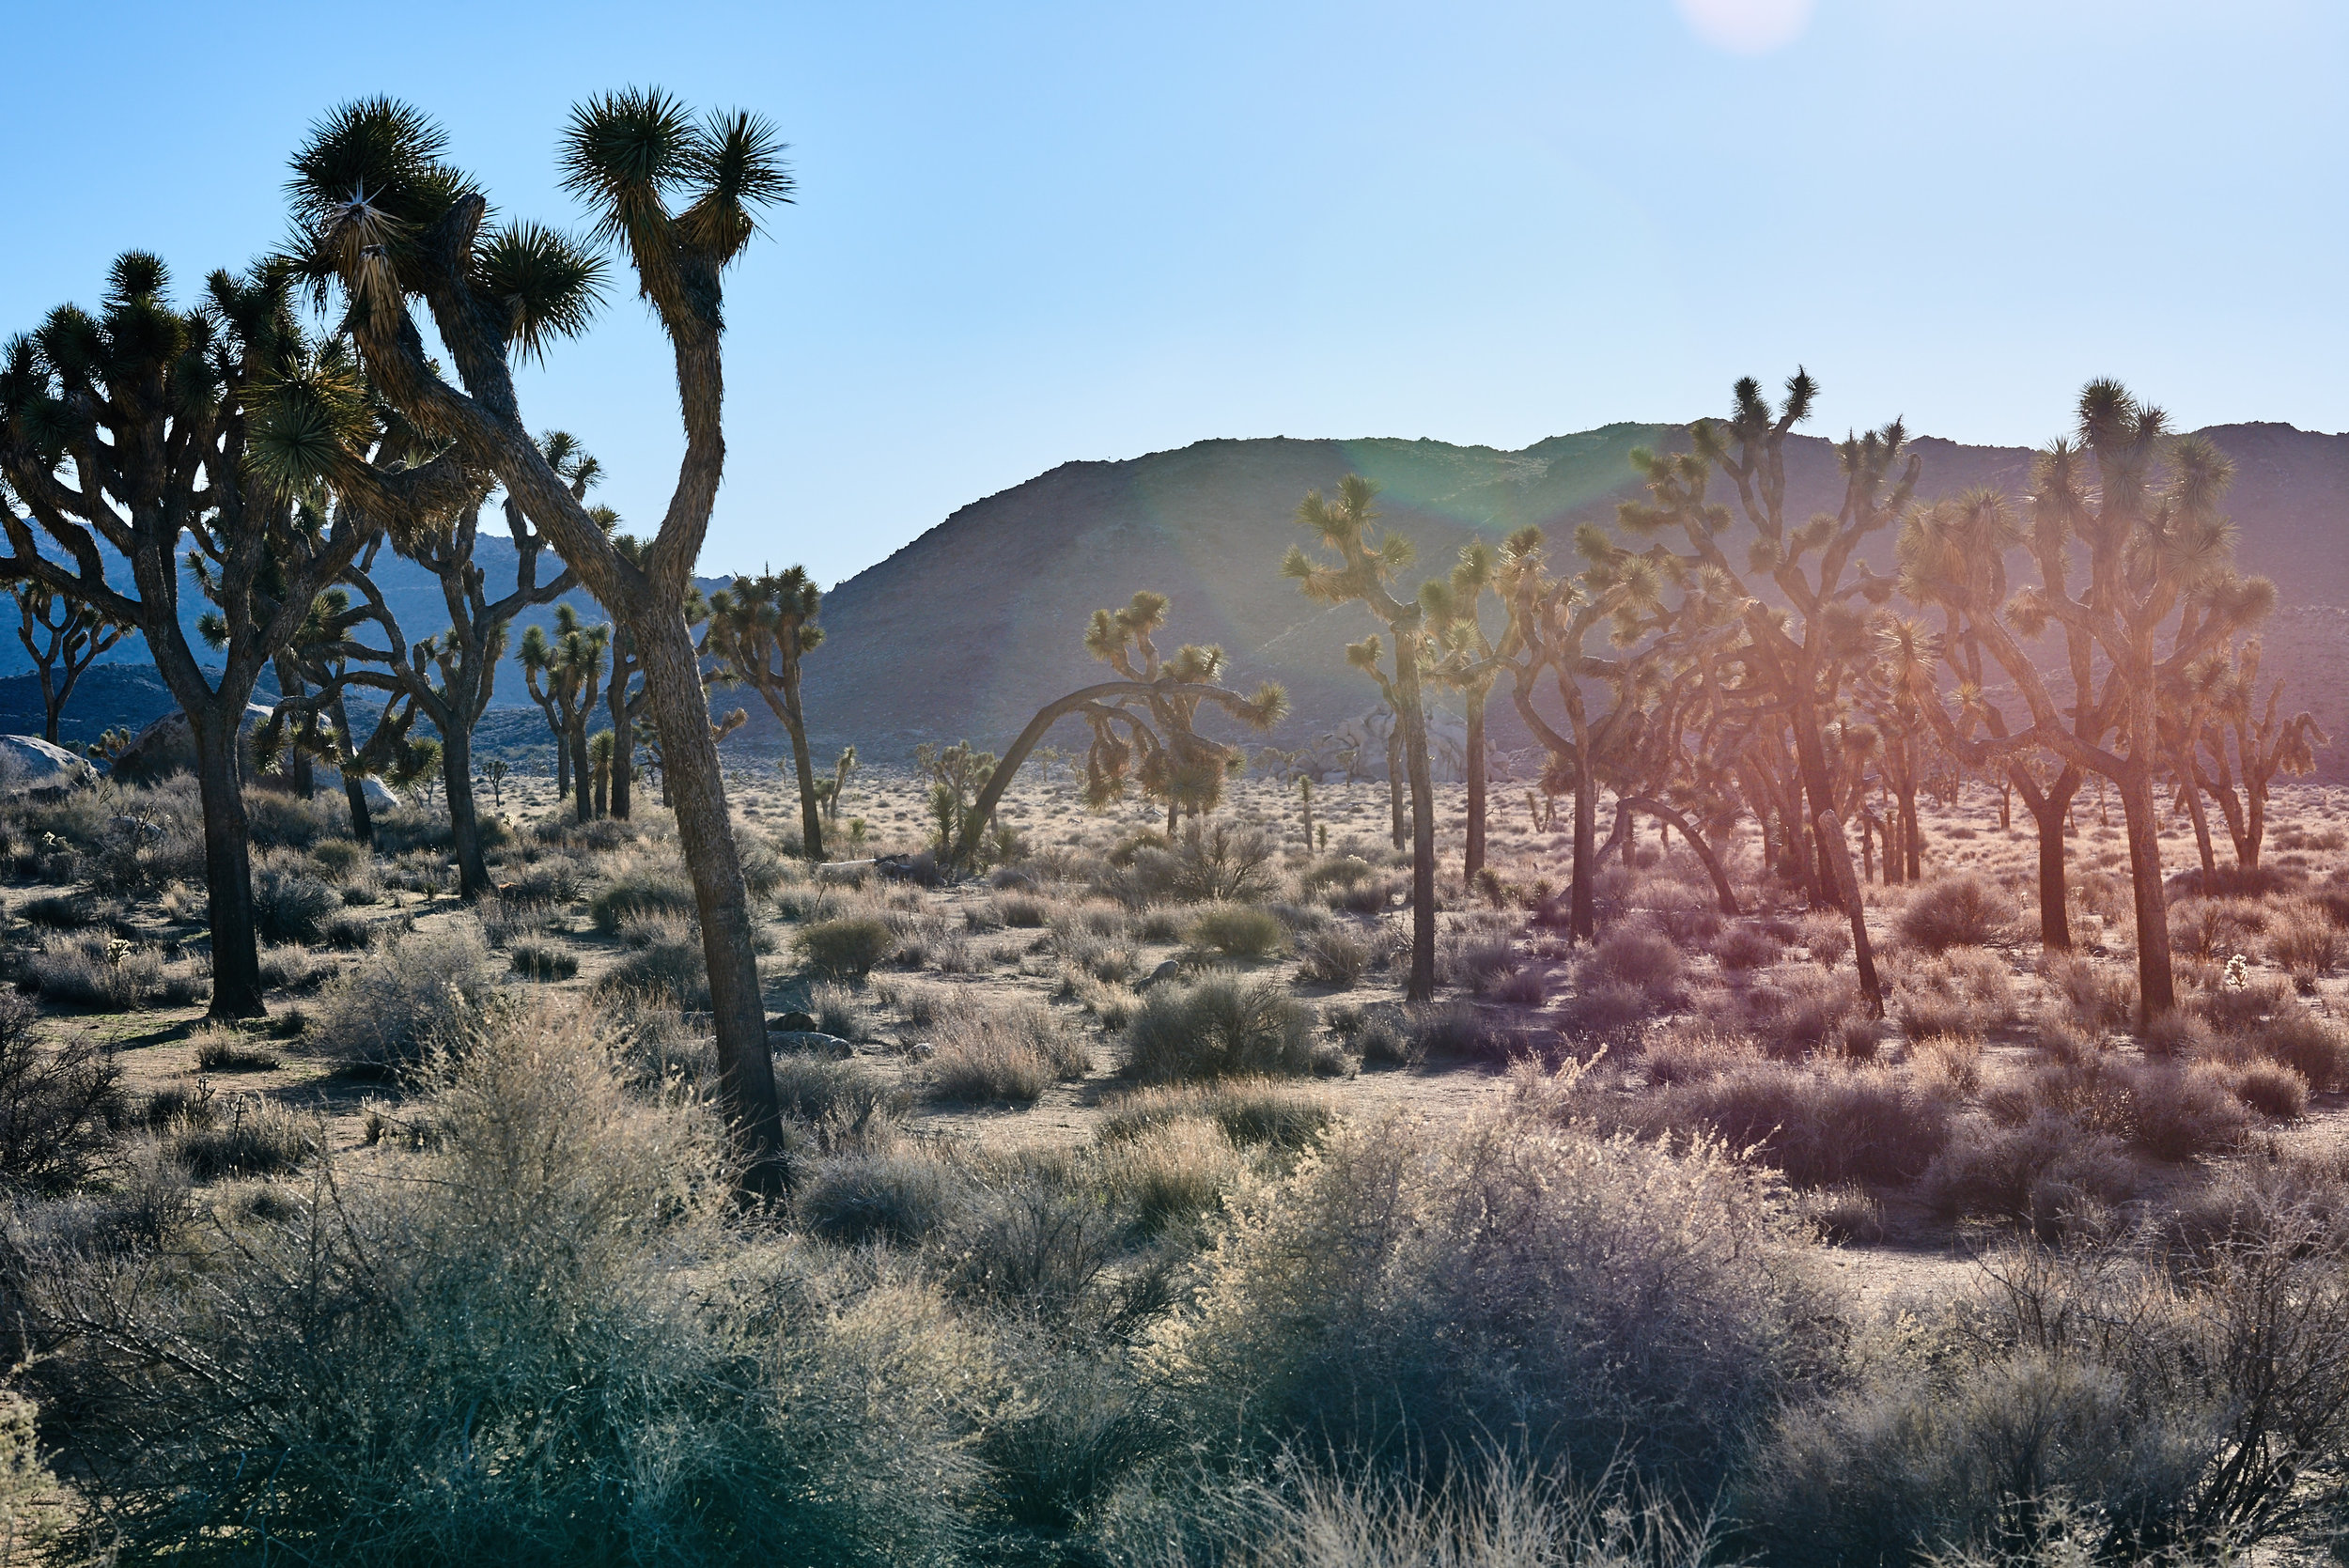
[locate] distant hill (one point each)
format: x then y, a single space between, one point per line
965 631
968 629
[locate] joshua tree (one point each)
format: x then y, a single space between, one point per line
2160 594
1364 568
151 430
758 630
496 770
2265 744
843 768
386 222
1801 652
70 637
565 673
1144 722
1469 665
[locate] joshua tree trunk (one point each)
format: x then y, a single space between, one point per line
2191 787
623 727
562 763
691 775
1912 856
1582 907
2050 811
582 782
228 866
1474 859
354 788
2156 991
298 769
1395 784
1413 723
810 810
464 823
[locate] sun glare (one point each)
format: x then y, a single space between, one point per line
1747 26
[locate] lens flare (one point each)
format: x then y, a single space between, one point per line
1747 26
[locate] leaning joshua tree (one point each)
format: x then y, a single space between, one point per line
1363 571
65 637
758 630
1144 721
387 225
165 435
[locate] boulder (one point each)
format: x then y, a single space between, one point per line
30 763
381 796
808 1042
166 748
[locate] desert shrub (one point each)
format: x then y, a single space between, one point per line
279 820
1825 935
412 992
1960 990
550 879
1805 1013
347 933
339 858
554 1345
96 971
1171 1173
2126 1378
896 1196
1219 1027
2214 927
1335 957
1638 955
257 1137
1365 898
64 911
846 947
289 967
2041 1174
1011 1052
1526 988
1453 1028
1471 958
224 1050
1339 871
1087 1428
1250 1112
1408 1291
289 905
763 870
1611 1010
1746 947
2098 996
2272 1089
2315 1046
669 964
1950 1062
639 891
837 1012
1694 1050
2178 1114
57 1107
2229 881
847 1103
1237 931
538 959
1023 912
1220 862
2303 940
1384 1040
1953 911
1821 1128
1036 1246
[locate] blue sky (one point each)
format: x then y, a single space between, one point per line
1034 233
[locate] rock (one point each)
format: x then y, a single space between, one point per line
381 796
843 873
165 747
921 1050
809 1042
1167 971
29 763
790 1023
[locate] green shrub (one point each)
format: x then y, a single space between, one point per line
846 947
1237 931
1219 1027
1423 1293
1955 911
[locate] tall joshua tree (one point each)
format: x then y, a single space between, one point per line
1470 662
387 223
564 674
758 630
2159 594
1360 565
153 430
1144 721
64 636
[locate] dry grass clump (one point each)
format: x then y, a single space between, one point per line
1953 911
218 1049
1689 1049
2216 928
1219 1028
1599 1300
846 1103
2303 940
1959 990
1746 947
1001 1053
1821 1126
2047 1172
899 1195
2098 997
846 947
2315 1046
413 992
638 888
1218 863
1250 1112
1639 957
667 961
1808 1012
1951 1063
1336 957
1171 1171
251 1136
93 969
291 905
1237 931
540 958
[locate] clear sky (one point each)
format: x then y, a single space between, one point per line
1030 233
